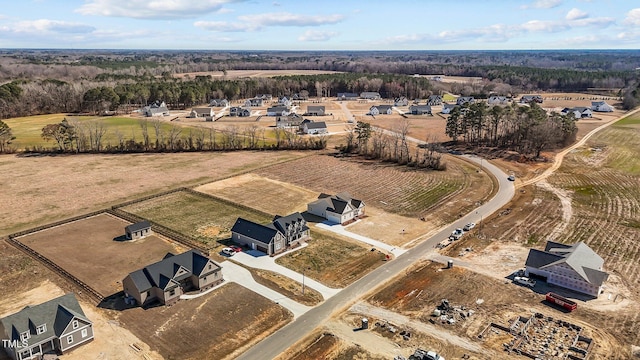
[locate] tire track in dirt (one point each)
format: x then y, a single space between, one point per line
567 210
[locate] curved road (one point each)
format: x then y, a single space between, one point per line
295 331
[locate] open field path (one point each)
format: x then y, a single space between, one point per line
341 230
557 161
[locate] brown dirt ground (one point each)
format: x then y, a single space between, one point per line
218 325
500 302
333 260
285 286
45 189
326 345
97 259
270 196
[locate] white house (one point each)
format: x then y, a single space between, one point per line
497 100
314 127
338 208
279 110
156 109
575 267
446 108
578 112
285 101
201 112
380 109
601 106
254 102
401 101
370 95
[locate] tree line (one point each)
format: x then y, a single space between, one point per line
526 129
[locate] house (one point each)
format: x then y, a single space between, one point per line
279 110
53 327
314 127
578 112
525 99
171 277
380 109
274 238
255 102
201 112
465 100
420 109
497 100
434 100
291 120
313 110
156 109
601 106
347 96
446 108
138 230
338 208
400 101
219 103
370 95
239 111
437 78
575 267
265 97
285 101
299 96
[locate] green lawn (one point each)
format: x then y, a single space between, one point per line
206 219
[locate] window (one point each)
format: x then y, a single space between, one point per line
70 339
84 333
75 324
172 292
204 278
41 329
25 335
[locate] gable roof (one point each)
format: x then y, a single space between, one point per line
316 125
163 274
382 108
138 226
56 314
258 232
338 203
281 222
315 107
278 108
348 95
579 257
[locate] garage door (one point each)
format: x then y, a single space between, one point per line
263 249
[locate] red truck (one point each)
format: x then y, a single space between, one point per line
561 301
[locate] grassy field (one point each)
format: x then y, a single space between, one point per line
208 220
332 260
28 130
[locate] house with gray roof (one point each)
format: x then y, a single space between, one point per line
601 106
278 236
338 208
156 109
314 127
578 112
447 108
575 267
279 110
370 95
465 100
315 110
497 100
255 102
138 230
289 121
347 96
204 112
434 100
400 101
420 109
239 111
167 279
219 103
380 109
54 327
525 99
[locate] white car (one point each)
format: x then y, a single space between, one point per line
228 251
522 280
469 226
456 234
511 178
432 355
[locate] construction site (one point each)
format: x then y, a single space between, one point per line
540 337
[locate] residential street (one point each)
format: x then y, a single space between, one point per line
282 339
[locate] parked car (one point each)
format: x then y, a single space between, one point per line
432 355
228 251
469 226
456 234
236 248
522 280
511 177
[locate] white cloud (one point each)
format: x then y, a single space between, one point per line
542 4
53 26
315 35
544 26
575 14
156 9
259 21
633 17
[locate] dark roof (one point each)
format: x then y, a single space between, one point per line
449 106
316 125
338 203
261 233
56 314
584 261
420 108
314 107
277 109
162 274
281 222
348 95
138 226
538 258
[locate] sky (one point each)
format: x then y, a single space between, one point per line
320 24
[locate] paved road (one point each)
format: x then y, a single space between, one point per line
295 331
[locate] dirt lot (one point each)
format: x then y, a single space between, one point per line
328 346
271 196
87 249
333 260
40 188
206 219
417 293
218 325
285 286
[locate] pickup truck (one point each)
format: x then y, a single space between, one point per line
522 280
456 234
